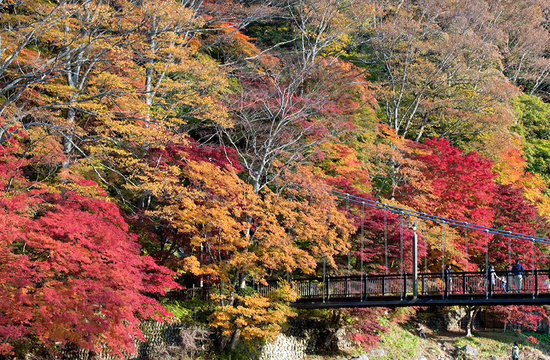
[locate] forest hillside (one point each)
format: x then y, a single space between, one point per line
157 144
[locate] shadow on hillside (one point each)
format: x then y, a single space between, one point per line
500 341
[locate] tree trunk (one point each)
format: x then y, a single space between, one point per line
68 138
235 339
472 312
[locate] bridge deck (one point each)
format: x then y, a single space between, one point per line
395 290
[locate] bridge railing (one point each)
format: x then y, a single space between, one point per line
533 284
401 285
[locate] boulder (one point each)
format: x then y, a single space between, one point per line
377 353
469 350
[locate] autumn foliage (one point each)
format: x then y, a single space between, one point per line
208 138
71 272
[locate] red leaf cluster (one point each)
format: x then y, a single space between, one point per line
70 271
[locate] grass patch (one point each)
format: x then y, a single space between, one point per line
399 343
402 343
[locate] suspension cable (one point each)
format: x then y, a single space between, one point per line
349 238
386 240
401 243
509 251
443 250
532 257
440 219
362 236
487 263
466 249
425 246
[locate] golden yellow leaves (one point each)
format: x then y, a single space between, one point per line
125 81
255 316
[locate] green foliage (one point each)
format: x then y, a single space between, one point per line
25 346
541 337
272 33
533 117
534 126
537 154
463 341
192 311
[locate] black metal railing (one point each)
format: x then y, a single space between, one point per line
429 284
535 284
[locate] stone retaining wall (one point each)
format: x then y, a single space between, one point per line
284 348
163 341
157 335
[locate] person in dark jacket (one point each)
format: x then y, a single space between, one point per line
449 278
517 270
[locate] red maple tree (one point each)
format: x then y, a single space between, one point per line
70 270
515 214
460 186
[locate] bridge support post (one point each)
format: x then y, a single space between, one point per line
536 291
415 263
346 291
404 295
366 288
423 284
328 287
325 286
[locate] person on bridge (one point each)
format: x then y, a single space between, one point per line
492 278
515 351
517 269
503 283
449 278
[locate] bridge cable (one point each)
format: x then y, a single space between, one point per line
466 249
425 216
510 251
425 247
324 276
349 238
362 237
440 219
442 250
487 264
386 239
532 257
401 224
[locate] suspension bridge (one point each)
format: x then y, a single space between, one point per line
487 288
505 287
398 290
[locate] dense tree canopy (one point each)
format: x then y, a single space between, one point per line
208 136
71 270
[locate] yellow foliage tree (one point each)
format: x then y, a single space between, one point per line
221 231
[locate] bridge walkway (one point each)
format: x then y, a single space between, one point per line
398 290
